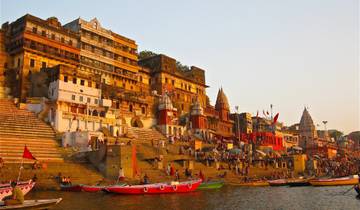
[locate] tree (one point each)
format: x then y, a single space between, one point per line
182 67
335 134
146 54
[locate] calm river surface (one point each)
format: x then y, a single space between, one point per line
327 198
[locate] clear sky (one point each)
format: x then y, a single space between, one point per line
289 53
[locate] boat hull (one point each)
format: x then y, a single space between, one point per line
71 188
34 204
298 183
335 181
159 188
278 182
25 187
252 184
211 185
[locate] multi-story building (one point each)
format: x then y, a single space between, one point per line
242 123
114 58
76 102
3 63
183 85
33 43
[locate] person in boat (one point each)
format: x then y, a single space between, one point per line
34 179
357 186
121 174
146 179
69 181
17 196
177 175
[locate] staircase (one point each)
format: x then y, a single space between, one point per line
146 134
21 127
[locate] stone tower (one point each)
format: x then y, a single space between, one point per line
222 105
307 128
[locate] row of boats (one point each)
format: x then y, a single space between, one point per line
349 180
166 187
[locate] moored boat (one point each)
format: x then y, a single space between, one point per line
71 188
33 204
25 187
92 188
157 188
211 185
252 184
277 182
298 182
349 180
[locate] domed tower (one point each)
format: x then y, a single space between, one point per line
306 127
222 105
198 120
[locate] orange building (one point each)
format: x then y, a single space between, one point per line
33 43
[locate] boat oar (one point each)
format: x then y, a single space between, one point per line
348 190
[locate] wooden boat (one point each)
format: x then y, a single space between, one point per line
92 188
252 184
71 188
25 187
33 204
277 182
158 188
349 180
298 182
211 185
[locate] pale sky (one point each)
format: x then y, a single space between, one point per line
289 53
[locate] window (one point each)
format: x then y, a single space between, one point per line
74 80
173 82
43 33
97 86
34 30
89 100
96 101
141 79
32 62
70 42
18 63
81 98
62 39
131 108
65 79
89 84
53 36
82 82
43 64
73 97
143 110
166 80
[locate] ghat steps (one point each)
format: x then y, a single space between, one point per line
19 127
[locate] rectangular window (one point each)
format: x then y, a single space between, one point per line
34 30
70 42
88 100
73 97
43 33
65 79
96 101
43 64
82 82
97 86
89 84
74 80
173 82
53 36
18 64
81 98
32 62
62 39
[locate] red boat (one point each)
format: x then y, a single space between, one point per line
90 188
71 188
25 187
158 188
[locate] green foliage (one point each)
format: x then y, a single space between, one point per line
335 134
182 67
146 54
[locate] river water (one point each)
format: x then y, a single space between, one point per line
294 198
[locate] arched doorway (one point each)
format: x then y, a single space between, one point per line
136 122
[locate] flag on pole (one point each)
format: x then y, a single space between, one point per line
276 118
27 154
257 114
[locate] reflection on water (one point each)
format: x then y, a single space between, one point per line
322 198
